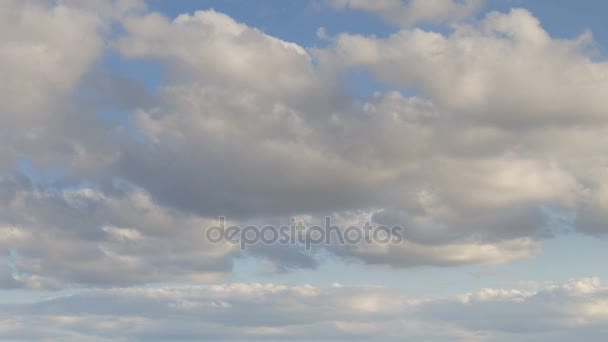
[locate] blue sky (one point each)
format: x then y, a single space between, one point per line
130 126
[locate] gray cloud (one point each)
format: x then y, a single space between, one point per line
82 236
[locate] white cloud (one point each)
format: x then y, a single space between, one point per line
503 70
308 153
48 48
411 12
271 311
507 131
89 238
252 127
233 54
45 51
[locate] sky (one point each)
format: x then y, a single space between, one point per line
477 127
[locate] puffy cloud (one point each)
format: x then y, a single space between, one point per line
449 167
48 48
271 311
108 10
252 127
259 128
409 13
503 70
517 112
233 54
82 236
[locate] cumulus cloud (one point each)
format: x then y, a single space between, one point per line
308 154
272 311
409 13
506 88
499 145
504 70
48 48
505 132
81 236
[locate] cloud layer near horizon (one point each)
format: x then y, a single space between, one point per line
556 312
